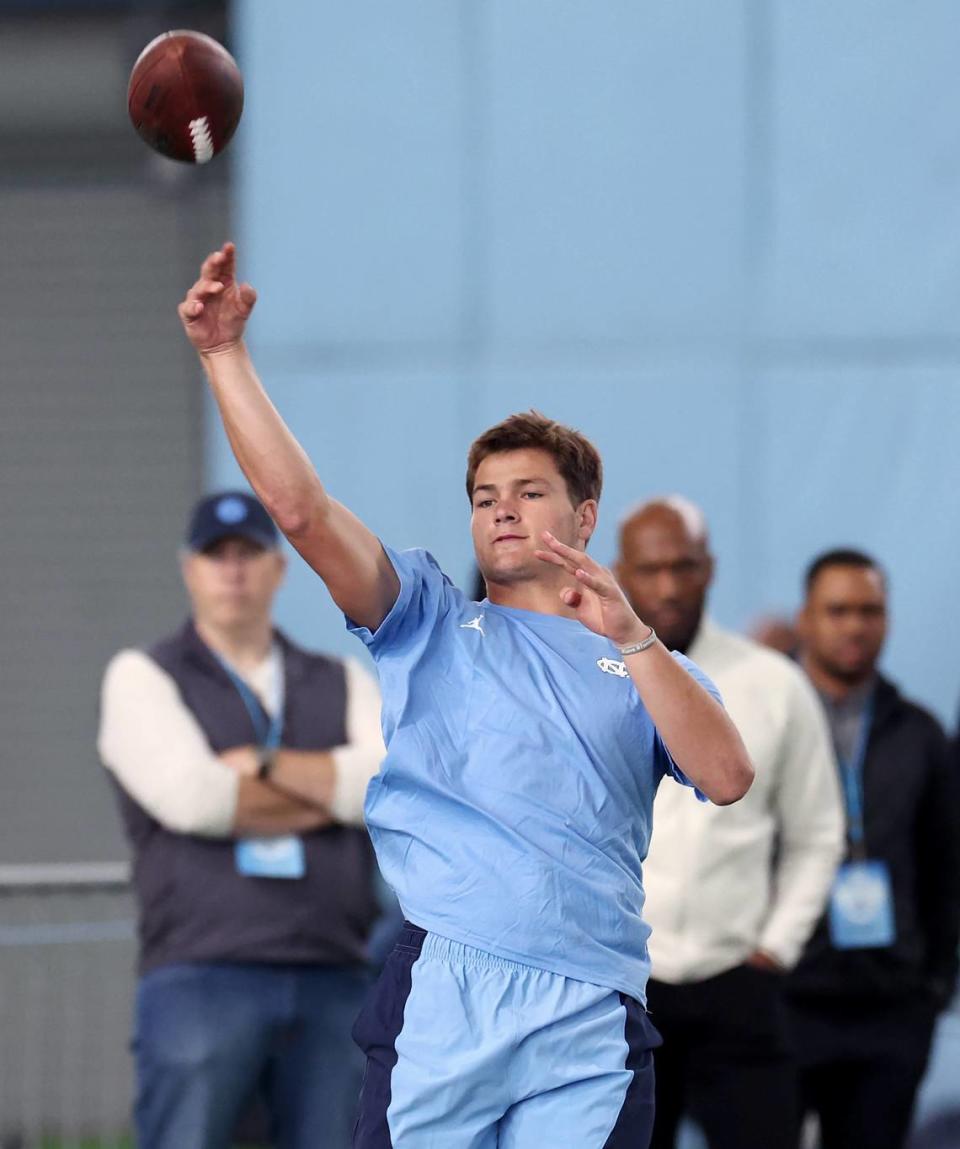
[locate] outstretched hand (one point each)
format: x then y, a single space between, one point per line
216 309
596 596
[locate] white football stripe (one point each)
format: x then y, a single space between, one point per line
202 140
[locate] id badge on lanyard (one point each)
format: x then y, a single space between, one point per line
861 900
277 857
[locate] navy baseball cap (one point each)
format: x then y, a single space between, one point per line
228 515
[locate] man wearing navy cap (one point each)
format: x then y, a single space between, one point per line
240 763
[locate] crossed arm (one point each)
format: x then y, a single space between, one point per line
263 810
159 755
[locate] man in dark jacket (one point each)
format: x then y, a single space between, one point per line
240 763
883 960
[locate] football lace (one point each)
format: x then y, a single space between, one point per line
202 140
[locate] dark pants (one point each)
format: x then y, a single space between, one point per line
208 1037
725 1061
860 1067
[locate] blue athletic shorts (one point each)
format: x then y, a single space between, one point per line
466 1050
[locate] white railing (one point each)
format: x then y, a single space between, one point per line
67 958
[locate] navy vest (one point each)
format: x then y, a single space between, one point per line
194 905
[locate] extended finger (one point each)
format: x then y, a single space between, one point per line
212 265
558 560
229 266
219 264
577 557
204 288
596 582
190 310
555 545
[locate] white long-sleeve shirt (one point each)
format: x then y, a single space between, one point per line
157 751
724 881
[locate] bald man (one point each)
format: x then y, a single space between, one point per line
732 893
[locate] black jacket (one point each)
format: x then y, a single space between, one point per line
912 822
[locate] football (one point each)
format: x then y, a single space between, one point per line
185 96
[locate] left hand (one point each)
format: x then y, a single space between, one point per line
760 959
596 596
242 760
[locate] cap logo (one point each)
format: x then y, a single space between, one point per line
230 510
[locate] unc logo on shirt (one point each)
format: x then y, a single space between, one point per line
611 666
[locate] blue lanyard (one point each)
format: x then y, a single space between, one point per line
851 775
268 730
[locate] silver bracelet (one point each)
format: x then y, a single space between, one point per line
636 647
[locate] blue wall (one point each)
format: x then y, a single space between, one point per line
721 239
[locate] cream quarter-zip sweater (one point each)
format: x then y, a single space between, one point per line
724 881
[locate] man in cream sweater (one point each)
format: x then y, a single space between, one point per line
732 892
240 762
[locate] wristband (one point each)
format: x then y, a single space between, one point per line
268 759
636 647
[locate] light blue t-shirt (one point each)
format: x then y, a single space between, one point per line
513 809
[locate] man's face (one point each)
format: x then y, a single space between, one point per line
843 623
665 573
517 495
232 584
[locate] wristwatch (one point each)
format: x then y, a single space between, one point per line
268 759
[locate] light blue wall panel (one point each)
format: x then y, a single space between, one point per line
724 240
390 448
352 171
615 163
866 457
865 169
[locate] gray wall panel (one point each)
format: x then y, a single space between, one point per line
100 441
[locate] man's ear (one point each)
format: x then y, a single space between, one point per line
587 520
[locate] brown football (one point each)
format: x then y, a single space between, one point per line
185 96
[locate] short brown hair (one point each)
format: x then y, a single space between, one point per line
577 459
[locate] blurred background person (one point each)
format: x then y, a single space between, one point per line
883 960
241 762
734 892
779 632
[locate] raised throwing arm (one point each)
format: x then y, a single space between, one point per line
344 552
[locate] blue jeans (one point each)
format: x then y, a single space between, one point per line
208 1037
